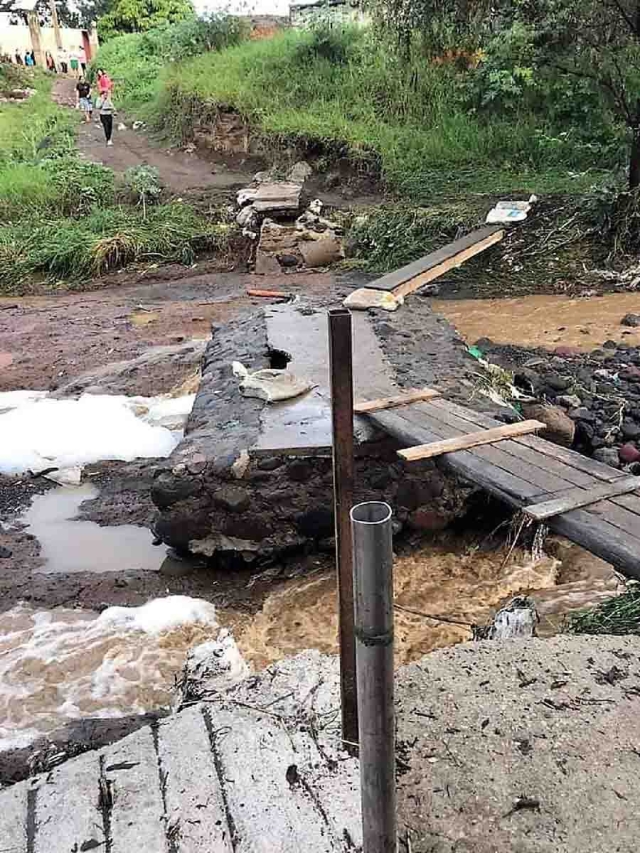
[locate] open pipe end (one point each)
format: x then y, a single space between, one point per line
371 512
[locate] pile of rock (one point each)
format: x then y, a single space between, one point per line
591 401
294 241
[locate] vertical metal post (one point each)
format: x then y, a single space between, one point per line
373 559
341 374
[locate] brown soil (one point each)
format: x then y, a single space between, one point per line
180 171
47 340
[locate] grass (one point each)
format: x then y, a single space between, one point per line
619 615
104 240
59 214
406 121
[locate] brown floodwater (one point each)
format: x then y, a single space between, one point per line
544 321
63 664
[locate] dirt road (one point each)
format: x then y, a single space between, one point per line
179 171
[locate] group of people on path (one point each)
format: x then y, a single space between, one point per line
65 62
104 103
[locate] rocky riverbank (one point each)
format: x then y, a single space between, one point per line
591 399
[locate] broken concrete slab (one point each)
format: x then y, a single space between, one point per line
233 439
271 196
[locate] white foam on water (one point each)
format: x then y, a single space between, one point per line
62 664
37 432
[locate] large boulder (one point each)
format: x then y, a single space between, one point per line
560 428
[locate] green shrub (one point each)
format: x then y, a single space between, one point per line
104 240
135 61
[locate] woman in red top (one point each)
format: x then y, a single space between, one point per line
105 83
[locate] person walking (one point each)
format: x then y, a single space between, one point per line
74 63
29 61
107 111
105 83
63 60
82 59
50 63
83 99
19 59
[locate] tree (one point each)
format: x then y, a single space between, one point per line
133 16
598 41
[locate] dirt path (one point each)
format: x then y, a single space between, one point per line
179 171
45 341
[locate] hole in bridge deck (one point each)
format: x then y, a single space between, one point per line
278 359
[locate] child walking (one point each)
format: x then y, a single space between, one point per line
107 111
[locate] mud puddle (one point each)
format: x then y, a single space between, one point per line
68 544
544 321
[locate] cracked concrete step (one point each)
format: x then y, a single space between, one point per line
212 778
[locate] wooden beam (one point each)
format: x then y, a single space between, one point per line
471 439
421 279
577 498
416 396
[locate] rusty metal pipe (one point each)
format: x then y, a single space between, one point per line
341 376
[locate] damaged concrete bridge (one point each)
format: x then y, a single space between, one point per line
255 478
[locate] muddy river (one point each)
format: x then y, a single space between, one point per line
544 321
62 664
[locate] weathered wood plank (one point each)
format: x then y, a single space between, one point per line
616 515
628 502
13 819
526 448
265 792
405 399
447 425
196 817
581 497
137 816
423 266
68 816
574 461
472 439
496 481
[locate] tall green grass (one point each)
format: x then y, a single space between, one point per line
407 118
106 239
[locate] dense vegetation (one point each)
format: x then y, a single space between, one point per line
63 218
425 124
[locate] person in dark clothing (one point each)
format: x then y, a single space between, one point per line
19 59
83 99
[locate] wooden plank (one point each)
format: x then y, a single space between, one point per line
498 482
570 458
628 502
405 399
581 498
194 803
471 439
67 813
436 259
270 805
533 470
13 819
137 816
435 272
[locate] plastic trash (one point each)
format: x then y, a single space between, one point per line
270 384
506 212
